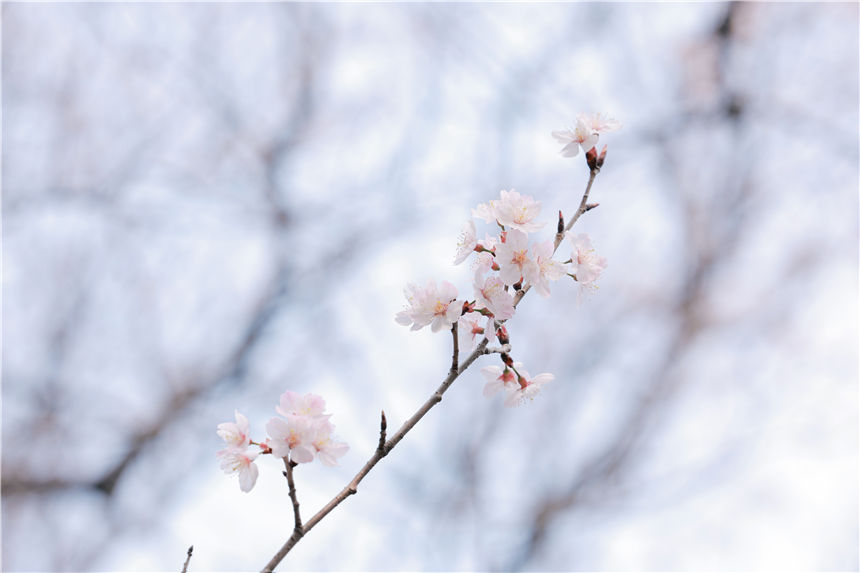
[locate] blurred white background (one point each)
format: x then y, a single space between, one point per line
207 204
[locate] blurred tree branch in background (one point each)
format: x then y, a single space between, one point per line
196 195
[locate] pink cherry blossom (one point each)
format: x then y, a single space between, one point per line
545 268
486 211
490 293
599 122
499 379
296 404
235 434
292 438
580 136
512 258
429 305
327 449
485 259
470 329
517 211
526 388
585 264
466 243
511 210
241 461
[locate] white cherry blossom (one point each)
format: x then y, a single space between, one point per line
512 258
466 243
473 327
512 210
580 136
490 293
526 388
545 268
585 264
291 438
241 461
235 434
429 305
599 122
499 379
517 211
293 403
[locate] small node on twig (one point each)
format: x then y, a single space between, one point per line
590 206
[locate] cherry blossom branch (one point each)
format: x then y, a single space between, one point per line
386 446
187 560
297 516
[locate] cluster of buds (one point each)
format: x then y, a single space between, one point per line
302 434
506 263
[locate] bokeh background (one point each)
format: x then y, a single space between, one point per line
207 204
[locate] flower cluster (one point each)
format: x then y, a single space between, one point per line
505 264
303 433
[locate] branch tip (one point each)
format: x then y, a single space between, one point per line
187 559
383 425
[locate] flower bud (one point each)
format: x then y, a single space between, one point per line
601 157
591 159
502 335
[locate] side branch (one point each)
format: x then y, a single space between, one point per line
456 354
352 486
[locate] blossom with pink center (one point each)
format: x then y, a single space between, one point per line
298 405
512 258
466 243
470 329
584 262
235 434
545 268
517 211
580 136
429 305
241 461
526 388
327 449
490 293
486 211
499 379
485 259
292 438
511 210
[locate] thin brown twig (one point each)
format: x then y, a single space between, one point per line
456 354
386 446
187 560
297 516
